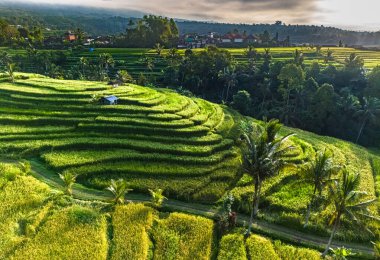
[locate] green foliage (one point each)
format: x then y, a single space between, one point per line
232 247
130 225
191 237
341 253
157 197
291 252
150 30
242 101
260 248
119 190
72 233
68 180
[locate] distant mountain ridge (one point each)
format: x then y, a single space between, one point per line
98 21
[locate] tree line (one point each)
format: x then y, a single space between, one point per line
340 102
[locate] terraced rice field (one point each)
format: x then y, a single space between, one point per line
131 60
152 138
155 138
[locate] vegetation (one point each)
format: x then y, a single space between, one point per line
347 200
182 236
232 247
68 180
130 225
264 158
119 190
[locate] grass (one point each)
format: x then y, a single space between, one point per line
232 247
178 136
130 226
72 233
182 236
155 138
260 248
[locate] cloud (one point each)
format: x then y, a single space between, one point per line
240 11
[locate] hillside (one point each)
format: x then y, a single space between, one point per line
156 138
97 21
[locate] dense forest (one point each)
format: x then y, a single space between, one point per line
105 22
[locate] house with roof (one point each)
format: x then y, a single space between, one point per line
70 37
109 100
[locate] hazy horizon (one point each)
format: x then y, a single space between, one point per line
349 14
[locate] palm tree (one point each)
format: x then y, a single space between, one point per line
157 197
376 247
263 158
229 77
158 48
7 61
83 63
68 179
106 60
318 173
329 56
347 201
119 190
368 113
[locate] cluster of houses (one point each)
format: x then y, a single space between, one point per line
72 37
194 40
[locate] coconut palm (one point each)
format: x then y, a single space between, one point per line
318 173
83 64
158 48
329 56
157 197
347 201
229 77
368 113
106 60
119 190
376 247
263 158
68 179
7 61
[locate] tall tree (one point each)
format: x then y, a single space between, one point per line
348 201
292 78
7 61
318 172
368 113
263 157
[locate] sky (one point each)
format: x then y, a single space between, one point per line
350 14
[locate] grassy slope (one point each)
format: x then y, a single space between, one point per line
48 226
192 160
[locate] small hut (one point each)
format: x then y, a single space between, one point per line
110 100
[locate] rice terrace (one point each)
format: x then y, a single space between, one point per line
127 135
